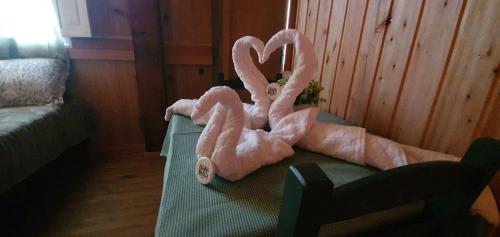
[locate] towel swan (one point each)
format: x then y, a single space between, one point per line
349 143
235 150
253 80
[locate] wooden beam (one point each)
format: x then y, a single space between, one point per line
147 39
217 22
292 18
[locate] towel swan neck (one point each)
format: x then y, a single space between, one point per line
301 75
253 80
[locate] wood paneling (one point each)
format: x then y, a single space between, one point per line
311 20
348 55
110 87
332 49
377 17
262 19
188 54
188 82
392 64
109 19
187 40
421 72
322 27
149 66
468 82
426 66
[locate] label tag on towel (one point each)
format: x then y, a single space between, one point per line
205 170
273 91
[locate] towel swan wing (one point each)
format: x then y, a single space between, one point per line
235 150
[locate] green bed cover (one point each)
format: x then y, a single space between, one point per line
32 136
249 207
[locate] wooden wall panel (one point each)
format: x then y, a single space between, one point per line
369 51
425 72
468 82
322 27
188 81
262 19
395 53
348 55
187 41
110 87
332 49
301 18
426 67
312 17
103 74
109 19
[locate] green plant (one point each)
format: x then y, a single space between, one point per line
309 95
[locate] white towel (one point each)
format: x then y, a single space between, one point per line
253 80
237 151
301 75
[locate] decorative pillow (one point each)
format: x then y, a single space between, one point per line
35 81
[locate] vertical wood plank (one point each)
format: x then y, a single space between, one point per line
323 21
364 73
471 75
435 35
312 17
226 38
300 24
397 45
111 88
262 19
332 49
292 20
491 115
347 58
302 15
147 38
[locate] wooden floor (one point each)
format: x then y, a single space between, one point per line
102 195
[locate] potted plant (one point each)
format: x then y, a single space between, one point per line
309 97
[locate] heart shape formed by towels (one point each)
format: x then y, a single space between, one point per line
255 81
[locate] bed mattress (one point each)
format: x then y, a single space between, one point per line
32 136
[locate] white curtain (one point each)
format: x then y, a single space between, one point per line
33 27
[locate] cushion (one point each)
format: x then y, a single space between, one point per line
32 136
35 81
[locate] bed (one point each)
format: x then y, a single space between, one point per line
32 136
251 207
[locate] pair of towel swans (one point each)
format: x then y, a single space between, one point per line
233 142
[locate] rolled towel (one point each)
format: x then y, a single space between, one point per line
235 150
301 75
253 80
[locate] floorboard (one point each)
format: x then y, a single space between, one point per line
105 194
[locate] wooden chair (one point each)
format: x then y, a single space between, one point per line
446 189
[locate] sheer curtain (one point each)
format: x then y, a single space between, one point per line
32 27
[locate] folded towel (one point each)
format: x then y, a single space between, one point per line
235 150
253 80
301 75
